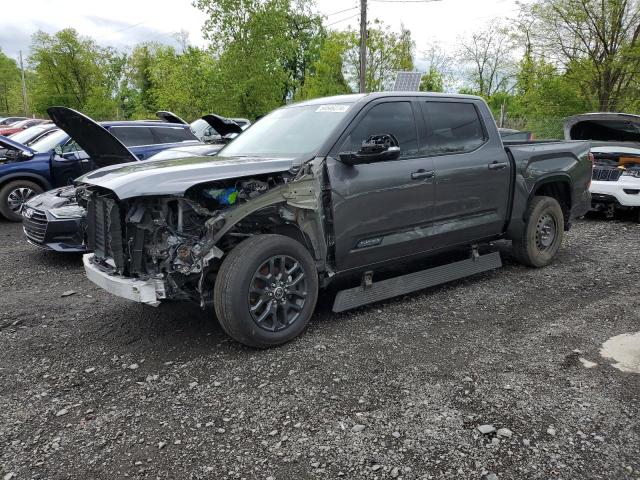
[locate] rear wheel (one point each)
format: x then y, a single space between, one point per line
14 195
543 233
266 290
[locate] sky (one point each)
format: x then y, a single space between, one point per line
124 23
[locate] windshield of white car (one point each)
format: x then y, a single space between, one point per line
290 132
50 142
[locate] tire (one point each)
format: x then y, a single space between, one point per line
542 235
13 195
242 295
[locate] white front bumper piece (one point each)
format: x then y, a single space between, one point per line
142 291
625 190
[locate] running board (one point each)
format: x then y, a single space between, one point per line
393 287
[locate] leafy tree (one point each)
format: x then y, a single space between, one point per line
135 96
596 42
325 76
187 83
265 48
487 55
74 71
10 86
432 81
439 73
387 53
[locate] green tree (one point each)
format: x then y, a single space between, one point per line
10 86
264 48
74 71
135 94
486 55
325 76
388 52
186 83
595 42
432 81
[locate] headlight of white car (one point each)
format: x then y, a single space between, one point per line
635 172
68 211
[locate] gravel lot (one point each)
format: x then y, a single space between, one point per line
92 386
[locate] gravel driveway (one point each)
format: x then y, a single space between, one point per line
92 386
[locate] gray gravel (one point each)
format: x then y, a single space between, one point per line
92 386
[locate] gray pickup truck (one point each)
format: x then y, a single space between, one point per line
326 189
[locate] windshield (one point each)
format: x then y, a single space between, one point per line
50 142
288 132
200 128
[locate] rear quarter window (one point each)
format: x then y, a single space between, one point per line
452 128
133 136
172 134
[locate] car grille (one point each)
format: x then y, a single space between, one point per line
104 231
35 225
606 174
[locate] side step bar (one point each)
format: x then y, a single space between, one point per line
393 287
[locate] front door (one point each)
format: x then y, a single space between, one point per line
69 163
380 209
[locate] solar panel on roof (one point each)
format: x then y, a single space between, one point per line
407 82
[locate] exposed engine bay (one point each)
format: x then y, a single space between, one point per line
181 239
610 166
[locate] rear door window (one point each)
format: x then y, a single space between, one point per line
172 134
395 118
133 136
452 128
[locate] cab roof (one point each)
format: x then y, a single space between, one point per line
356 97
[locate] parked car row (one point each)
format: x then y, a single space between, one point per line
320 190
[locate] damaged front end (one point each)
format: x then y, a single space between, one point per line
173 245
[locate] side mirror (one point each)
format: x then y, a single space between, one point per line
58 150
378 148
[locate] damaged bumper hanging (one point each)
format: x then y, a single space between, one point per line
150 291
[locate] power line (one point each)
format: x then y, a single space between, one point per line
343 20
340 11
405 1
121 30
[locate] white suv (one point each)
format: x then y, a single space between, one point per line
616 149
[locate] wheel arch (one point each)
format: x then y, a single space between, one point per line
32 177
558 187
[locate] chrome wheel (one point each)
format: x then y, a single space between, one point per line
18 197
546 231
277 293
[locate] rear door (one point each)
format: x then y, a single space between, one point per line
473 172
380 209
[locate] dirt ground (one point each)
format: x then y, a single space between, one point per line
92 386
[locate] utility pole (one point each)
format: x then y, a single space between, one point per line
24 88
363 44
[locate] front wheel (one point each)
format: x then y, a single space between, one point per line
543 233
14 195
266 290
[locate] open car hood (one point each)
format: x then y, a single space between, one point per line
224 126
603 127
103 148
176 176
7 143
170 117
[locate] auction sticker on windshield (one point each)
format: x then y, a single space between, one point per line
333 108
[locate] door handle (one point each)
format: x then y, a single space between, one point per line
84 160
423 174
498 165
